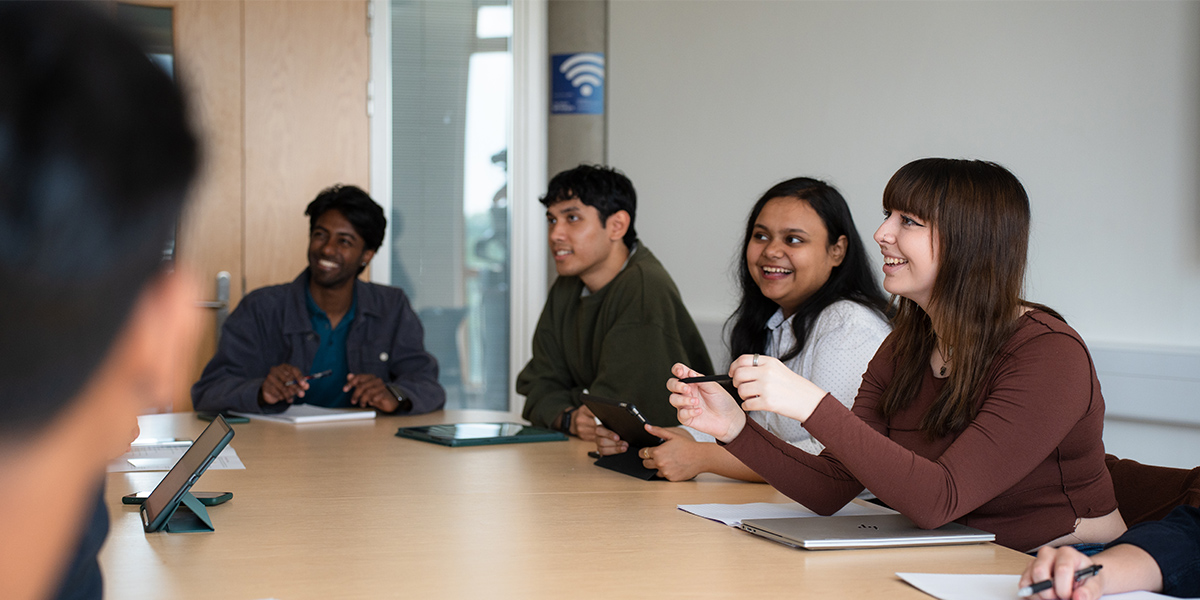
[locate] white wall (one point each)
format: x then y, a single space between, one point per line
1095 106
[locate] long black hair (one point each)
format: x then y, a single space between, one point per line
851 280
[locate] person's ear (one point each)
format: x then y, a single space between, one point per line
617 225
837 252
367 255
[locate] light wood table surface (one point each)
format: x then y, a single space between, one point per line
348 510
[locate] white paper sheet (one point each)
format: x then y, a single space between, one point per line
986 587
733 514
163 456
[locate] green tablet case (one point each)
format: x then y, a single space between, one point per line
189 516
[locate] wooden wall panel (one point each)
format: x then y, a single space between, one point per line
306 127
208 64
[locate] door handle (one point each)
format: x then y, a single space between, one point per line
221 304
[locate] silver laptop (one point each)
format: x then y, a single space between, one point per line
869 531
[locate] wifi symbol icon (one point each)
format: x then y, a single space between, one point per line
578 83
585 71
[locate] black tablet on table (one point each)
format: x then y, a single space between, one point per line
479 434
623 419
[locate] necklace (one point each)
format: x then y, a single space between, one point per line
945 360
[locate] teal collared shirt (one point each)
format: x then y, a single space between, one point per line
331 356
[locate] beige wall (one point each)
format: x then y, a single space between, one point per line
1094 105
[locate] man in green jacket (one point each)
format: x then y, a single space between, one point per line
614 323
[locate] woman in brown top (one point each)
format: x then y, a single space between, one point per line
980 407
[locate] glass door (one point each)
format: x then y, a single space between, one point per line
451 111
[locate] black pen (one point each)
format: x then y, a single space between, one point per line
716 378
308 377
1042 586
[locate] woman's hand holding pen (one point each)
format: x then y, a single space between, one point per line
705 406
765 383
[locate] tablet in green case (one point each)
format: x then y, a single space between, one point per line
171 494
479 434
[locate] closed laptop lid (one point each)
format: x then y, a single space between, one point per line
867 531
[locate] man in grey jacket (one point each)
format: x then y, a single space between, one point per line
327 338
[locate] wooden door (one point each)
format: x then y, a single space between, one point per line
307 66
208 64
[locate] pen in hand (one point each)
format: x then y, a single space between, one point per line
309 377
716 378
1041 586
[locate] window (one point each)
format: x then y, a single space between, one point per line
450 249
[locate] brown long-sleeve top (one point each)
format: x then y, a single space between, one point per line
1028 466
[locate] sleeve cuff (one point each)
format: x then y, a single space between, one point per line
697 435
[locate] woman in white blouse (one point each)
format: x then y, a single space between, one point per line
808 298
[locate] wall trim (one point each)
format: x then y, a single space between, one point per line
527 175
1148 384
379 111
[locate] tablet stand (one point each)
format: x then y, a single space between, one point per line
189 516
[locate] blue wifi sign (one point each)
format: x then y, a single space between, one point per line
577 84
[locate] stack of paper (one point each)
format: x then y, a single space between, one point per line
161 456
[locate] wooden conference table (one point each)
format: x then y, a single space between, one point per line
348 510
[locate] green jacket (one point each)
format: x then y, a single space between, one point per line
619 343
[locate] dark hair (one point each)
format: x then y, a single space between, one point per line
851 280
363 213
95 159
603 188
981 213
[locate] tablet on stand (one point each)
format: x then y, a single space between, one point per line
171 507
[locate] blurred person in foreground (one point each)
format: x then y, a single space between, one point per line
95 160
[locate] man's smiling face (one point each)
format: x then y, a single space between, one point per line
335 250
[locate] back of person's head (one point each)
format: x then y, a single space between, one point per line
850 280
95 159
363 213
603 188
981 215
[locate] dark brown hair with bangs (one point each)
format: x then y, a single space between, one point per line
981 216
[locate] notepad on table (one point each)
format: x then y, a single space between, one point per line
307 413
946 586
